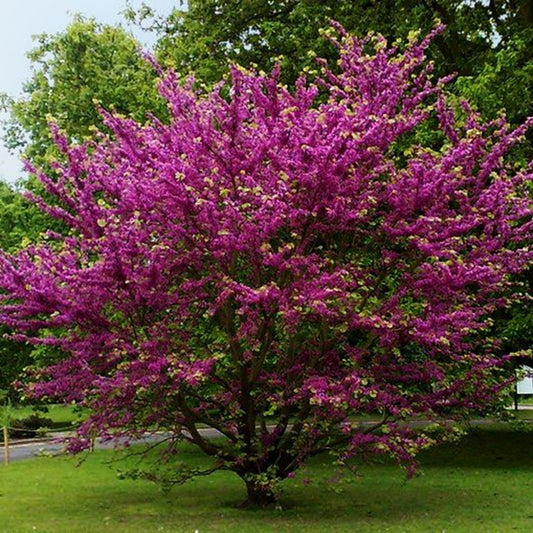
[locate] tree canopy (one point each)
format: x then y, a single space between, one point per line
89 65
271 262
488 44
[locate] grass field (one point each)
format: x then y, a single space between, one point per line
60 414
483 484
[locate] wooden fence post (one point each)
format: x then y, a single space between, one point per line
6 445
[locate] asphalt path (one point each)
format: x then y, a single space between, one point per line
53 446
27 449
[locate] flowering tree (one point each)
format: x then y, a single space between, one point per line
271 263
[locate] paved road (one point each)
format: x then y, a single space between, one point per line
27 450
31 449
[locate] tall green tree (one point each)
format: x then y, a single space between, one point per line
20 220
487 43
89 65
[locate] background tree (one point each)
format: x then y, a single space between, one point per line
74 72
89 64
487 43
269 264
21 222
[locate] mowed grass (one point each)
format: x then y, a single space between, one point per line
62 416
482 484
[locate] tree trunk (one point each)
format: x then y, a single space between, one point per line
258 495
526 12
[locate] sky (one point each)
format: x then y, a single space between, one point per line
21 19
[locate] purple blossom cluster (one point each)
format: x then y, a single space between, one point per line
272 262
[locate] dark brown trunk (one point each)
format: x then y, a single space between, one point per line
258 495
526 12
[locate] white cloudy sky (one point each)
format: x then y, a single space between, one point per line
20 19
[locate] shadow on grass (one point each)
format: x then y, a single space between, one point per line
490 448
481 484
380 499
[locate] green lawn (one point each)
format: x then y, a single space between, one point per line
527 400
484 484
63 416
